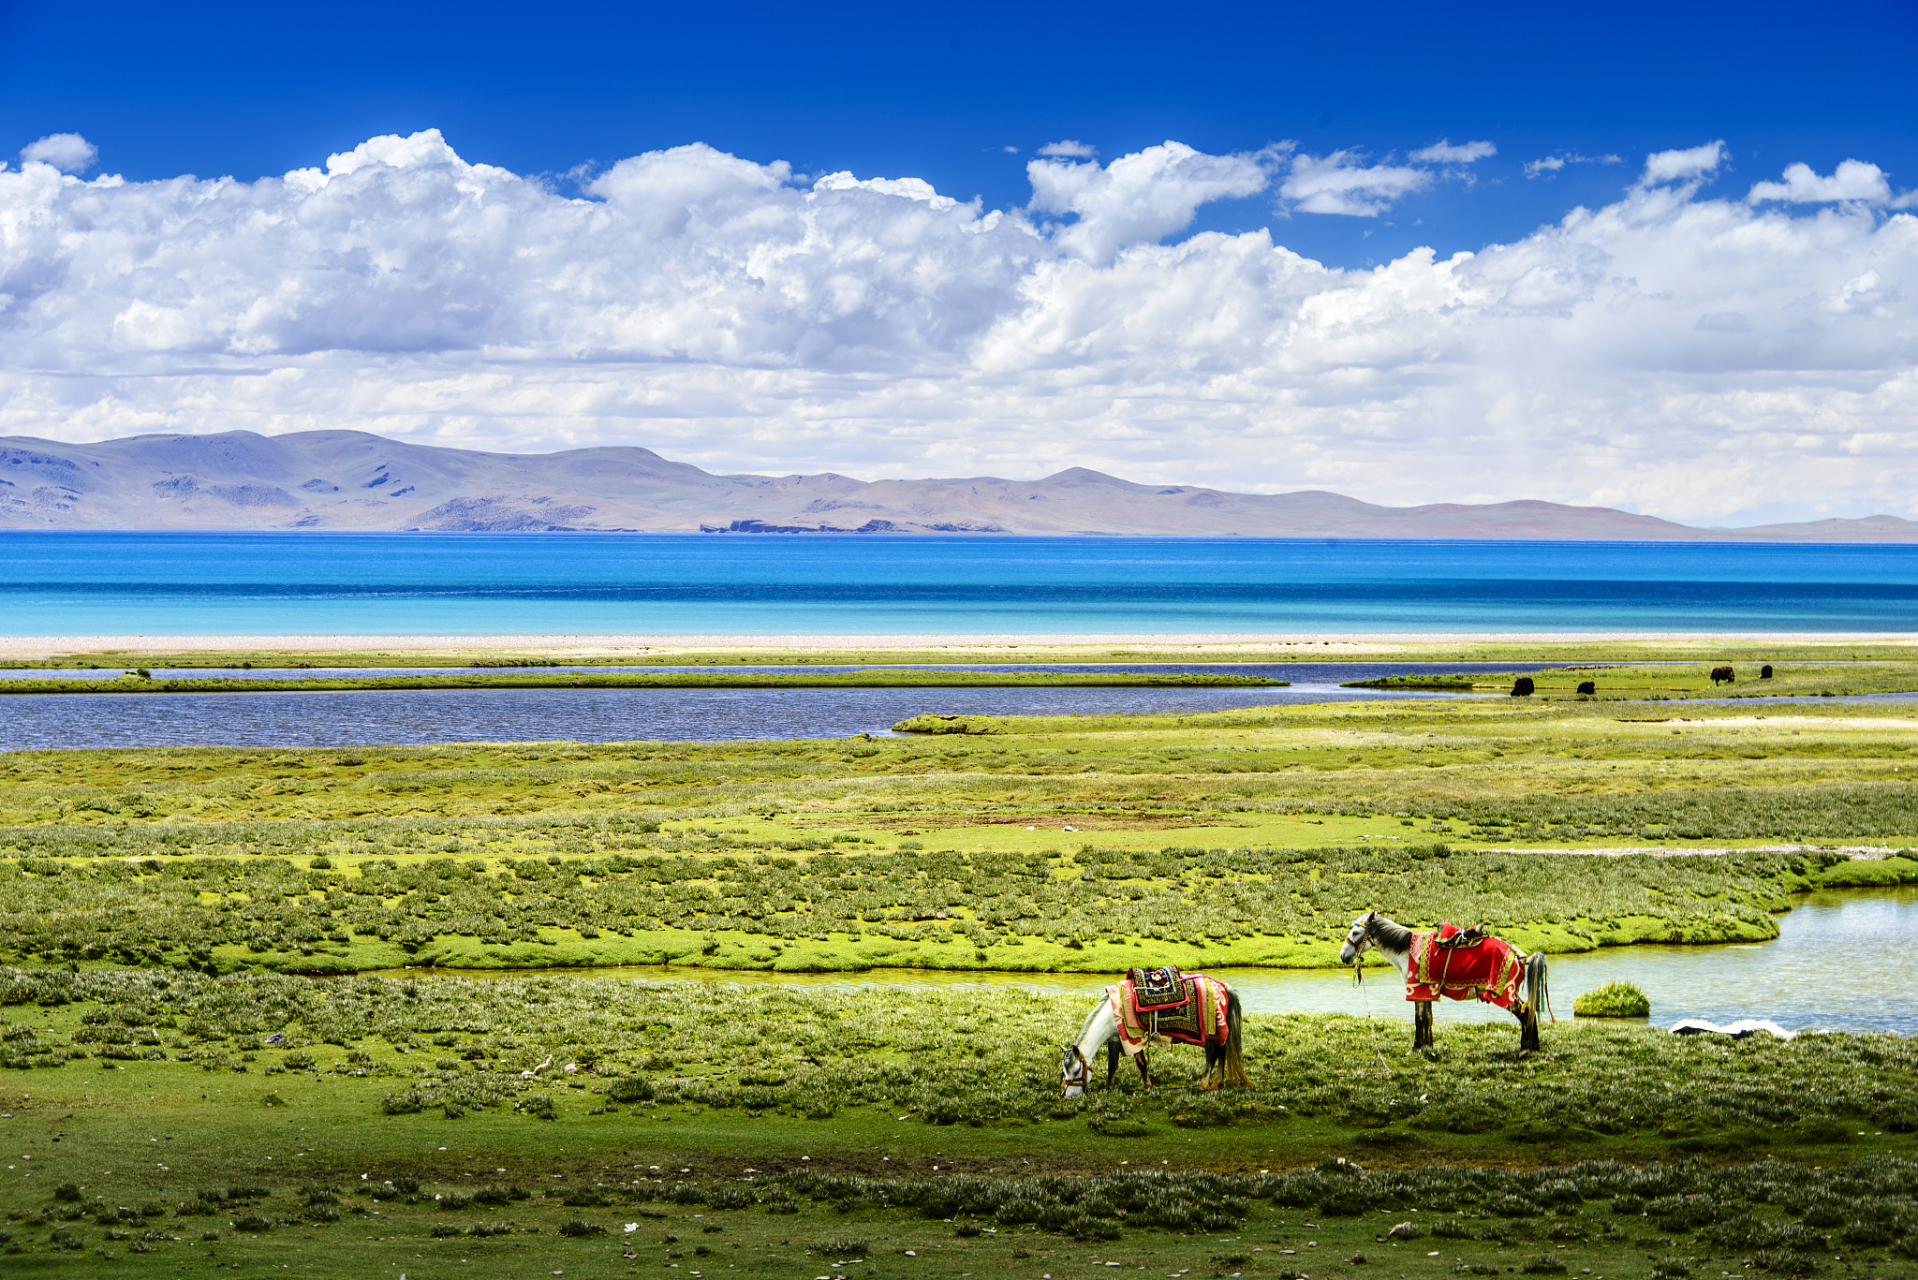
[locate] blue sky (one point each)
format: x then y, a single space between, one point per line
1655 256
890 90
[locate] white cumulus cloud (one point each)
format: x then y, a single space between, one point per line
1138 198
1443 152
67 152
1852 180
1343 183
1069 149
1687 356
1683 165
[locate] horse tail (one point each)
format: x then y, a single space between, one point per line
1538 991
1235 1040
1537 994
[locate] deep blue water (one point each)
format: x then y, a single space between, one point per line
613 584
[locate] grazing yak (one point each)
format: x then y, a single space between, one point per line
1522 687
1723 675
1587 687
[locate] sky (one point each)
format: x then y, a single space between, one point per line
1656 257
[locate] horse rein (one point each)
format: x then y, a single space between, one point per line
1363 929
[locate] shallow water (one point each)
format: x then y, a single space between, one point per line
419 716
1308 672
1830 968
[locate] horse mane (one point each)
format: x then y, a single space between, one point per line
1390 933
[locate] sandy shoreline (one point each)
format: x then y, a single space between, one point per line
1225 644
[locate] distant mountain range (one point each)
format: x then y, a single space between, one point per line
353 480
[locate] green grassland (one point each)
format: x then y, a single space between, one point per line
176 1098
708 903
1658 682
429 1123
133 682
1073 843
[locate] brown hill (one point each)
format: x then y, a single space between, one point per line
354 480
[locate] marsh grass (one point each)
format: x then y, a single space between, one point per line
1560 771
545 1047
722 903
432 1123
1638 682
1248 837
770 1110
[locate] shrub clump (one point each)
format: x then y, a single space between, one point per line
630 1089
1613 1000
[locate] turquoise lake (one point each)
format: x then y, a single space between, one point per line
159 584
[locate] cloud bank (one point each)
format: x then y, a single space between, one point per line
1686 356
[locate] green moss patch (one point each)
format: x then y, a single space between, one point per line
1613 1000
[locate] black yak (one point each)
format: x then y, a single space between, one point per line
1723 675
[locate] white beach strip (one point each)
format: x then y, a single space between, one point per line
1225 642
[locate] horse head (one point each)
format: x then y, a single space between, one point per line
1358 939
1075 1073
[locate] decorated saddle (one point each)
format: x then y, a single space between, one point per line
1199 1017
1155 989
1464 964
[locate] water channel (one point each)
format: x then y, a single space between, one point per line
415 717
409 717
1833 967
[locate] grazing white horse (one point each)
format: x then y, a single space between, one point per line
1101 1031
1396 943
1223 1057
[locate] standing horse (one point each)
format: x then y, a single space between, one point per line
1457 964
1210 1017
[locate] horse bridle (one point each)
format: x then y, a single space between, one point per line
1084 1077
1361 932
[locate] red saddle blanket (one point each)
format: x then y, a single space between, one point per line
1491 970
1201 1019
